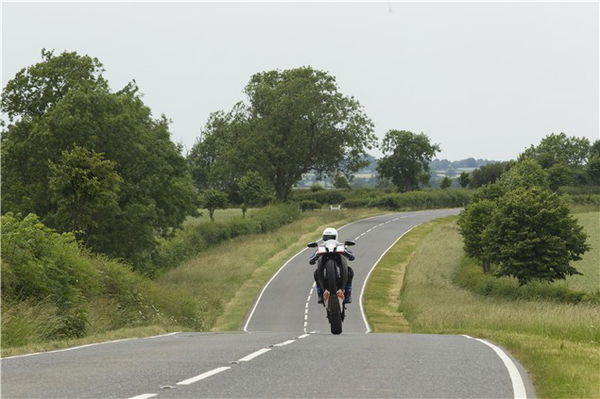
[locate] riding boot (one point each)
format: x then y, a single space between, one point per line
348 293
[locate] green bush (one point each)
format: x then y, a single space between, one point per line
356 203
196 237
330 197
430 199
306 205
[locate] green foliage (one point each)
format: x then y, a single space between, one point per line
156 192
214 199
445 183
341 182
306 205
35 89
423 200
407 159
197 237
253 190
330 197
473 223
559 148
464 179
40 265
280 132
316 187
83 188
356 203
488 174
524 174
532 236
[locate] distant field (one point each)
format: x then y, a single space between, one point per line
590 264
220 215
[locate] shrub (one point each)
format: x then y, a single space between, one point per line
356 203
306 205
196 237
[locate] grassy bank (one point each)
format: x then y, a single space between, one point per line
556 342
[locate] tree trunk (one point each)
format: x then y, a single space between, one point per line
211 213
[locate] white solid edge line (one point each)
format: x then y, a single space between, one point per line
254 354
362 291
284 265
114 341
144 396
518 386
203 376
304 336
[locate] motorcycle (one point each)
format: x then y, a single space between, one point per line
333 272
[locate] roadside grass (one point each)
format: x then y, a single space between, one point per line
590 264
558 343
220 215
227 278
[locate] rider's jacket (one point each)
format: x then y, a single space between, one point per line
315 257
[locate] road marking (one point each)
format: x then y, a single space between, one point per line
289 341
254 354
203 376
362 291
518 386
304 336
144 396
162 335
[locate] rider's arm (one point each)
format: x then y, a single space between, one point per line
348 254
313 258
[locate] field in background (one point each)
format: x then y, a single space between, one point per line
590 264
556 342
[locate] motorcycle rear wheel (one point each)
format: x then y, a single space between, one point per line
334 311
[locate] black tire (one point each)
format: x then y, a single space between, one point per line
334 311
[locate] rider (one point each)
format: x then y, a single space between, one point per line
331 234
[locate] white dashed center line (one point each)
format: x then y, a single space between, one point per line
254 354
203 376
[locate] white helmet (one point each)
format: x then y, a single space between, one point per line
330 234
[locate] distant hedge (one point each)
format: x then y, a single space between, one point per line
194 238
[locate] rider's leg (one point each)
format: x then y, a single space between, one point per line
348 288
318 286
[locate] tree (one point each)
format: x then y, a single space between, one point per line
35 89
532 236
212 200
489 173
253 190
464 179
295 121
525 174
340 181
559 148
156 192
84 188
473 222
445 183
406 160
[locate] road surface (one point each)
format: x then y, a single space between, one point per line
286 351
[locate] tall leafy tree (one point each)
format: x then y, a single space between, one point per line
464 179
406 159
253 190
559 148
488 174
295 121
445 183
156 192
532 236
83 188
473 222
212 200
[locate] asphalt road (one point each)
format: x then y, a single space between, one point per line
287 351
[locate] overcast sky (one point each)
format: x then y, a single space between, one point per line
483 80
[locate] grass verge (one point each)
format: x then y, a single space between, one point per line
558 343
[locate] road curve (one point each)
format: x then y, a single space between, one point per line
281 356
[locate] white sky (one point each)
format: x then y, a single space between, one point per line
483 80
